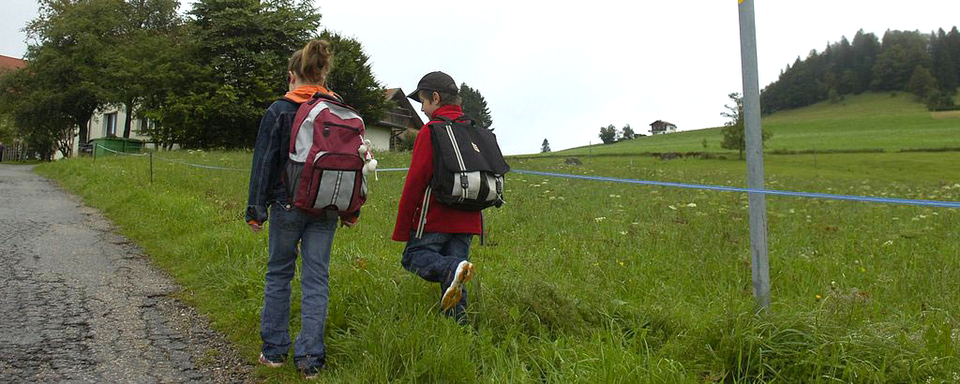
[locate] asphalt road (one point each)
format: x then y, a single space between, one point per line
80 303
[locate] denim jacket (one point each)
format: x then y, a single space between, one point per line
269 159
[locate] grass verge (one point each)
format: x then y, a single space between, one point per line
592 282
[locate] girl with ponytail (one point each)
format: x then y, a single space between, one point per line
306 73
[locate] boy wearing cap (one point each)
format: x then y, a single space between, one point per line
441 253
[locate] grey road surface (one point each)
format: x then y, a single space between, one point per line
79 303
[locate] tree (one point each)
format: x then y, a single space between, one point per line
944 62
866 47
171 99
902 52
25 98
889 72
834 96
733 131
545 147
71 39
952 46
145 58
475 106
608 134
239 58
7 133
627 133
407 139
921 83
937 100
848 82
352 77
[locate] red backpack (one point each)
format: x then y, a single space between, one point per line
325 167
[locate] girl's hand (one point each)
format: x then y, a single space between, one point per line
350 222
255 226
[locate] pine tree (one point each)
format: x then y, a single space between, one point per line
545 147
866 47
943 63
902 52
734 136
351 76
953 48
475 106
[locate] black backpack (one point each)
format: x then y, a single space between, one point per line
468 166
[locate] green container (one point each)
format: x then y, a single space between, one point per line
103 146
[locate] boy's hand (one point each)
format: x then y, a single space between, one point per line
255 226
350 222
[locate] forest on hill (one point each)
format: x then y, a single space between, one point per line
925 64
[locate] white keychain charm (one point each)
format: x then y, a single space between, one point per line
371 166
367 155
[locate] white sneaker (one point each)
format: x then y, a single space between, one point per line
453 293
272 364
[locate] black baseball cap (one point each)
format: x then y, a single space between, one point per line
435 81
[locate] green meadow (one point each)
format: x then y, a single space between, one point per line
585 281
870 121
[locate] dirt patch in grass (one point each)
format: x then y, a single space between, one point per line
945 115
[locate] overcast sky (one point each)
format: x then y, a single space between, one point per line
561 72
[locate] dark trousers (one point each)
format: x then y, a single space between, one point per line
435 256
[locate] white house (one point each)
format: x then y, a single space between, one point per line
661 126
400 117
383 134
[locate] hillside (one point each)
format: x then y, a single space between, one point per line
860 122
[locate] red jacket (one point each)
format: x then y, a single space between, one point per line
440 218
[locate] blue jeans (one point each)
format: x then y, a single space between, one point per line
435 256
315 235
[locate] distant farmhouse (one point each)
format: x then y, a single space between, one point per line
399 118
383 134
8 63
661 126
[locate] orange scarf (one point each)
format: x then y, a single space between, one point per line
305 92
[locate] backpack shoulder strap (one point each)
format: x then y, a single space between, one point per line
462 118
321 95
467 118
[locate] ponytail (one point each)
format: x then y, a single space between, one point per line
312 63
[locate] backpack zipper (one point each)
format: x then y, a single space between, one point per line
329 124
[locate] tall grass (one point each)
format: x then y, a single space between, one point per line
593 282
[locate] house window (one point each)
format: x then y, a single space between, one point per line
144 124
110 124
